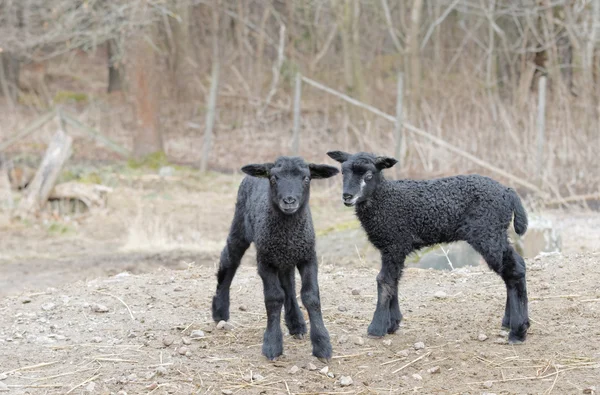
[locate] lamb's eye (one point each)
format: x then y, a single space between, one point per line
368 176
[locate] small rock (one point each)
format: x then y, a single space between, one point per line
152 386
90 387
197 334
482 337
343 339
186 341
324 370
166 171
346 381
501 341
330 375
417 376
227 392
257 377
488 384
178 289
294 369
98 308
96 339
26 300
387 342
131 335
161 370
224 325
167 341
440 295
122 392
48 306
182 350
503 333
132 377
419 345
3 387
243 308
356 291
3 376
359 341
402 353
433 370
342 308
311 366
590 390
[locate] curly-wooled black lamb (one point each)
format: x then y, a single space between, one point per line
272 211
402 216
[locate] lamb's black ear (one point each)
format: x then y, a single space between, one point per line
384 162
340 156
258 170
322 171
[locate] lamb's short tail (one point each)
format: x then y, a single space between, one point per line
520 222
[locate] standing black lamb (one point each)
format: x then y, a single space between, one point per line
272 211
403 216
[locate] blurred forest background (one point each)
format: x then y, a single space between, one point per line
142 73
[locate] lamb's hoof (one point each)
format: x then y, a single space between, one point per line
515 341
299 336
375 333
324 360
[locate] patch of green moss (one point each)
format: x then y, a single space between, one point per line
152 161
59 229
70 96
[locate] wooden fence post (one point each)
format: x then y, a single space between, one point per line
398 132
541 125
296 125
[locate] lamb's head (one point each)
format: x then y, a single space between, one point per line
289 179
362 174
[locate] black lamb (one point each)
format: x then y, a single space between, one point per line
272 211
403 216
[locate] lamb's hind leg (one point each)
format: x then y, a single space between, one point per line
231 257
513 274
293 316
503 259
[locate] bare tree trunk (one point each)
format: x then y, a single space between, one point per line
357 72
214 86
148 137
415 60
9 76
588 64
115 79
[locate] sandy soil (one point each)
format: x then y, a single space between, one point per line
109 306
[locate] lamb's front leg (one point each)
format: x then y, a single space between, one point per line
311 299
274 297
387 316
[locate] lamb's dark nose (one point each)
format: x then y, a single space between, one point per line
347 196
289 200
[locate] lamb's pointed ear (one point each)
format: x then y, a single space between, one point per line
258 170
384 162
322 171
339 156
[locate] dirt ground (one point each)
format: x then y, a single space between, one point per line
107 303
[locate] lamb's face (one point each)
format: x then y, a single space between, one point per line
360 181
362 174
289 180
290 185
